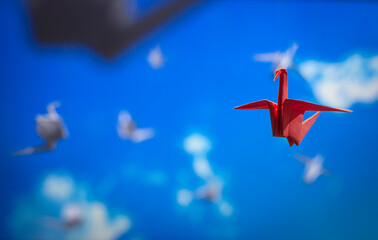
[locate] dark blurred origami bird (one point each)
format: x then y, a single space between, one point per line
107 26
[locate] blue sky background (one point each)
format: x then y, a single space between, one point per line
208 70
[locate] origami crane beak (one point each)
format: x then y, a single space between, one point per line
278 73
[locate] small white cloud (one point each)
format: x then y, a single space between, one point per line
156 178
202 167
58 187
150 177
155 58
184 197
225 209
345 83
197 144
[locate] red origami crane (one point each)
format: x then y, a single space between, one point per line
287 115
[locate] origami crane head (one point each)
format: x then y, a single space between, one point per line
278 73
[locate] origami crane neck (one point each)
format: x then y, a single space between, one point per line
282 91
282 95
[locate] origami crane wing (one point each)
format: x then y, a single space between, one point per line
142 134
262 104
124 117
292 124
307 106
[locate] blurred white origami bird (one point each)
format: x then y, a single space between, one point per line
313 168
127 129
279 59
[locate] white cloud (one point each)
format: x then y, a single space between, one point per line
184 197
155 58
149 177
41 216
225 209
98 225
344 83
155 178
202 168
197 144
72 214
58 187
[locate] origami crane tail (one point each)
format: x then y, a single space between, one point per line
307 124
291 141
297 129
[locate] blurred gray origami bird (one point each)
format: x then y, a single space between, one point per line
50 127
